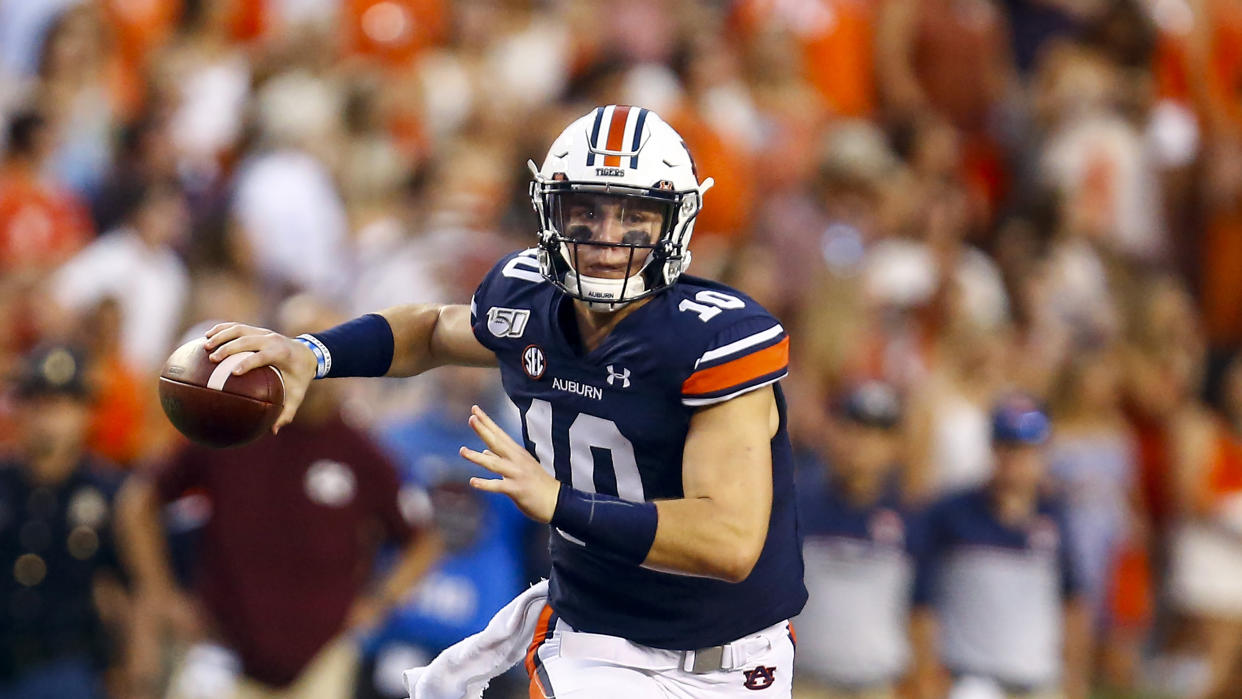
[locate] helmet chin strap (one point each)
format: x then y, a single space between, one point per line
604 295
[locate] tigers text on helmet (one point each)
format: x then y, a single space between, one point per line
616 197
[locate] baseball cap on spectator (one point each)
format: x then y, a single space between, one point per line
1019 420
872 404
53 369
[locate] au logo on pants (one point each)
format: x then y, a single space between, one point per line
761 677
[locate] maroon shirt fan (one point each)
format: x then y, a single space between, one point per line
290 541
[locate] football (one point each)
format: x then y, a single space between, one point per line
211 406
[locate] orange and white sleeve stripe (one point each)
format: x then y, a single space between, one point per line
743 365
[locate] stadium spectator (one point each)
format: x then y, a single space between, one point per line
76 93
56 542
861 551
139 267
288 212
1096 158
1004 587
948 432
41 225
206 78
282 569
836 40
1092 458
122 419
1206 562
145 153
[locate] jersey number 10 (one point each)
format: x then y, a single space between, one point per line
586 434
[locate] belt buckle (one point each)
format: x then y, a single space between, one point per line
708 660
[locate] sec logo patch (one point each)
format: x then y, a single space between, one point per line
533 362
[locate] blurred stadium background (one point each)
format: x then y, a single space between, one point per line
955 197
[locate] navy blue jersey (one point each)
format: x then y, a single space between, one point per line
999 589
861 561
614 420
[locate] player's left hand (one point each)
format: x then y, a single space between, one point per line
521 476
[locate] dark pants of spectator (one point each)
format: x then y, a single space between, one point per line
59 679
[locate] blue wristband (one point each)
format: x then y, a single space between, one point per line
323 361
363 346
623 527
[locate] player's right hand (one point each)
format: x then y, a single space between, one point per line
295 361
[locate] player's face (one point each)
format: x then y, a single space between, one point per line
51 423
865 451
610 236
1019 467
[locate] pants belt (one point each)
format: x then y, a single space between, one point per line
612 649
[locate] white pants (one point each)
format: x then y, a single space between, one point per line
567 664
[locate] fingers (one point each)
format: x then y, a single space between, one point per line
269 349
222 333
490 485
491 433
286 413
244 343
218 327
263 356
485 418
487 459
488 436
490 461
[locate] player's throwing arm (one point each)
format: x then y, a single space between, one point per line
400 341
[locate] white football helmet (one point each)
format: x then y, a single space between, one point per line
629 162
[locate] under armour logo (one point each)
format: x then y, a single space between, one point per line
623 376
760 678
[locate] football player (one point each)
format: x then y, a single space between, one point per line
653 427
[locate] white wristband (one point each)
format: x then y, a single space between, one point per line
323 358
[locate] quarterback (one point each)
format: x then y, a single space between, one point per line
653 425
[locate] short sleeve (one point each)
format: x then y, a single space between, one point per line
490 320
747 355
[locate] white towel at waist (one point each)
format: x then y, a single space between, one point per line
463 670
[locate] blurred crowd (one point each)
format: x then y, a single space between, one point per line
951 199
